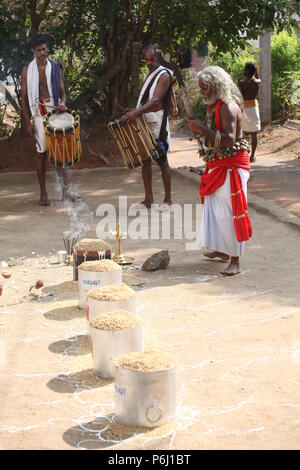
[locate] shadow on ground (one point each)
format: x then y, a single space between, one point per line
100 433
65 313
64 291
82 380
75 346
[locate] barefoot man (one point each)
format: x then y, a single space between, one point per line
154 102
225 224
42 89
251 118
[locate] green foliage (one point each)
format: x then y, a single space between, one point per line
100 41
234 64
78 77
285 56
14 52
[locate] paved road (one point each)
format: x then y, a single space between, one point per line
274 176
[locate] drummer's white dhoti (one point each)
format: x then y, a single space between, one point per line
38 128
217 232
154 121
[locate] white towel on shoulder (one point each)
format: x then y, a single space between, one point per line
154 119
33 85
159 71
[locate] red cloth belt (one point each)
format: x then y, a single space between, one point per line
210 182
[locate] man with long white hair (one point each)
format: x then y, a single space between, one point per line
225 224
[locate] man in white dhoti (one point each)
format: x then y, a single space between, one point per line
42 89
251 118
154 103
225 224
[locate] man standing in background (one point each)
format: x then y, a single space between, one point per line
251 119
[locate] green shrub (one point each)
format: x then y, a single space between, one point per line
285 57
234 64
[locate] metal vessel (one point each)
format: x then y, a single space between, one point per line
108 345
96 307
88 280
145 399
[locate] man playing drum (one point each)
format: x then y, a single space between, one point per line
154 102
42 89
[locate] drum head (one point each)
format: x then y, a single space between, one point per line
61 120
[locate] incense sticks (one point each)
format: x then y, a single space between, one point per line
69 241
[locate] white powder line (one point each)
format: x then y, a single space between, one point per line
290 405
227 301
230 409
245 364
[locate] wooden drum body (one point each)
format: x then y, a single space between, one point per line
62 132
135 141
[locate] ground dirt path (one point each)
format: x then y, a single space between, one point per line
236 340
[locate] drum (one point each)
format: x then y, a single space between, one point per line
135 141
62 132
89 249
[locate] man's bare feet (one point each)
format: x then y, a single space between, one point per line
233 268
147 203
44 201
216 254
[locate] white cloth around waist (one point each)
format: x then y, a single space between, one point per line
251 119
217 232
39 133
154 121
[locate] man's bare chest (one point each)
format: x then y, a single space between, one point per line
43 87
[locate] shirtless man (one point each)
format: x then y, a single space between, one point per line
31 108
251 119
158 100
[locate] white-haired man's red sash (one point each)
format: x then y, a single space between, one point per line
210 182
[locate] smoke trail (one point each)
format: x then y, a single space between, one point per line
80 216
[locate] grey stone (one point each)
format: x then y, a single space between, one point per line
157 261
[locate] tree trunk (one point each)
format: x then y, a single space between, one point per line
135 71
265 72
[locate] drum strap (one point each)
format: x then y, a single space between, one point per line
147 91
167 101
42 107
163 132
